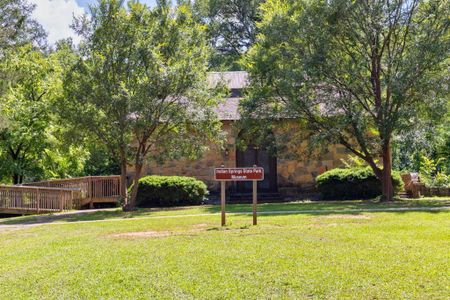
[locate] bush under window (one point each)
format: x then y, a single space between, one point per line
353 183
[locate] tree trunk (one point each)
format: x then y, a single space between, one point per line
386 175
123 181
137 176
15 178
123 176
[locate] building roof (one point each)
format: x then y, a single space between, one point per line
234 80
228 110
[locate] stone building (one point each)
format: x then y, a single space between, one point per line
284 177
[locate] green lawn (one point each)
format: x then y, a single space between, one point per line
314 250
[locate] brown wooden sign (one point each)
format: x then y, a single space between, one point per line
254 174
239 174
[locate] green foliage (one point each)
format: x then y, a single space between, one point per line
441 180
36 144
61 160
17 29
431 138
433 173
100 161
231 29
354 183
428 167
17 25
140 84
338 67
165 191
26 107
353 161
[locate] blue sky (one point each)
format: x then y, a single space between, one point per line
57 15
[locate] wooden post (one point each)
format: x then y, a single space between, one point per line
61 206
222 201
91 192
38 200
255 201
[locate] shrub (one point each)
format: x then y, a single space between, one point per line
353 183
441 180
165 191
432 173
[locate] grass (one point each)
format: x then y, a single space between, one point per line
300 207
326 250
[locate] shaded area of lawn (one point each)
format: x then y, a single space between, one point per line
309 207
336 205
368 255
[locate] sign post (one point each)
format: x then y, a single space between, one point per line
222 201
223 175
255 201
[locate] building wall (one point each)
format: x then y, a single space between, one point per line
294 175
202 168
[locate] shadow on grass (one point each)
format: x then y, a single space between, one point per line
266 209
85 215
331 206
323 208
344 212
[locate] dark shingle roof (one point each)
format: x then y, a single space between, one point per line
234 80
229 108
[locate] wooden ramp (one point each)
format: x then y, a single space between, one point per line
35 200
59 195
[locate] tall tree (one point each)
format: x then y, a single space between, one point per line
17 28
26 106
140 84
231 29
16 25
354 73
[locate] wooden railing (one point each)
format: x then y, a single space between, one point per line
59 195
36 199
92 188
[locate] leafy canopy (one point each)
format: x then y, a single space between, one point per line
231 29
354 73
30 147
140 83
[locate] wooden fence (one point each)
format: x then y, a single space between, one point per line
21 199
93 189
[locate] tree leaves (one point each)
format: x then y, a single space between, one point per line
357 72
140 84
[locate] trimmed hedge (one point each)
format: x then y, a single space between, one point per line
354 183
165 191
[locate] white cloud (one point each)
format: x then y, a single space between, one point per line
56 16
